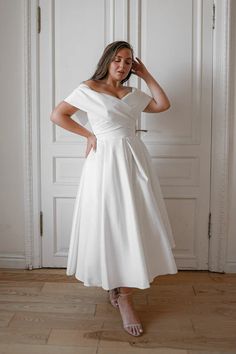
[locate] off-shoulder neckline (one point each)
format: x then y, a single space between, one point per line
107 94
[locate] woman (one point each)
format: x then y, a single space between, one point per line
121 237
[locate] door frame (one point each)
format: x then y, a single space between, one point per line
220 137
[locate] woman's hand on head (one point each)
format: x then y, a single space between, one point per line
91 143
139 69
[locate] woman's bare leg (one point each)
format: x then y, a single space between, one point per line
128 314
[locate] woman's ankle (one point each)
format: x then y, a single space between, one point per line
125 291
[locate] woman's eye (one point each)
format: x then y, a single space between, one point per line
118 60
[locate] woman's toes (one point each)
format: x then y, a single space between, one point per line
138 331
133 330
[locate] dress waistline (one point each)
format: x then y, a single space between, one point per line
115 133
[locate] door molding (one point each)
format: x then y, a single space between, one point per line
220 137
31 137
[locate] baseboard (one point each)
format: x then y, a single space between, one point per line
12 261
230 267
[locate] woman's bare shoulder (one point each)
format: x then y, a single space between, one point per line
90 83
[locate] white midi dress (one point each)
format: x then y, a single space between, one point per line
120 234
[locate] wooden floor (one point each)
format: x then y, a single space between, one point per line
44 311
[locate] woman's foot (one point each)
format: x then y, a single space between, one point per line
131 322
113 296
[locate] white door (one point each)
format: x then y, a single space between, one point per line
174 39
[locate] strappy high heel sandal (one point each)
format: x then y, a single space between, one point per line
134 329
113 296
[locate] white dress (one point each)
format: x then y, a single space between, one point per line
120 234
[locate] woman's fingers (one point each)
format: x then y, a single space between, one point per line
87 151
139 68
138 60
91 144
94 143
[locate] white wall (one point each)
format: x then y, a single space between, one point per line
12 124
231 249
12 229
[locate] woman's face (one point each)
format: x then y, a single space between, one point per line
121 64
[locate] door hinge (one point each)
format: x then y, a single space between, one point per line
209 225
214 16
41 223
39 19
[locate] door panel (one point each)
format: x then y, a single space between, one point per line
179 139
69 50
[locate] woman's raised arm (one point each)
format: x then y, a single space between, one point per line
160 101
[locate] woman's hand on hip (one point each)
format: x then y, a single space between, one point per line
91 143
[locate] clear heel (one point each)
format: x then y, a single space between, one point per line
113 296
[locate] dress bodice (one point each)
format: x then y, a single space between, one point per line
107 114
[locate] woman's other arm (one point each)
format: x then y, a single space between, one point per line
160 101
